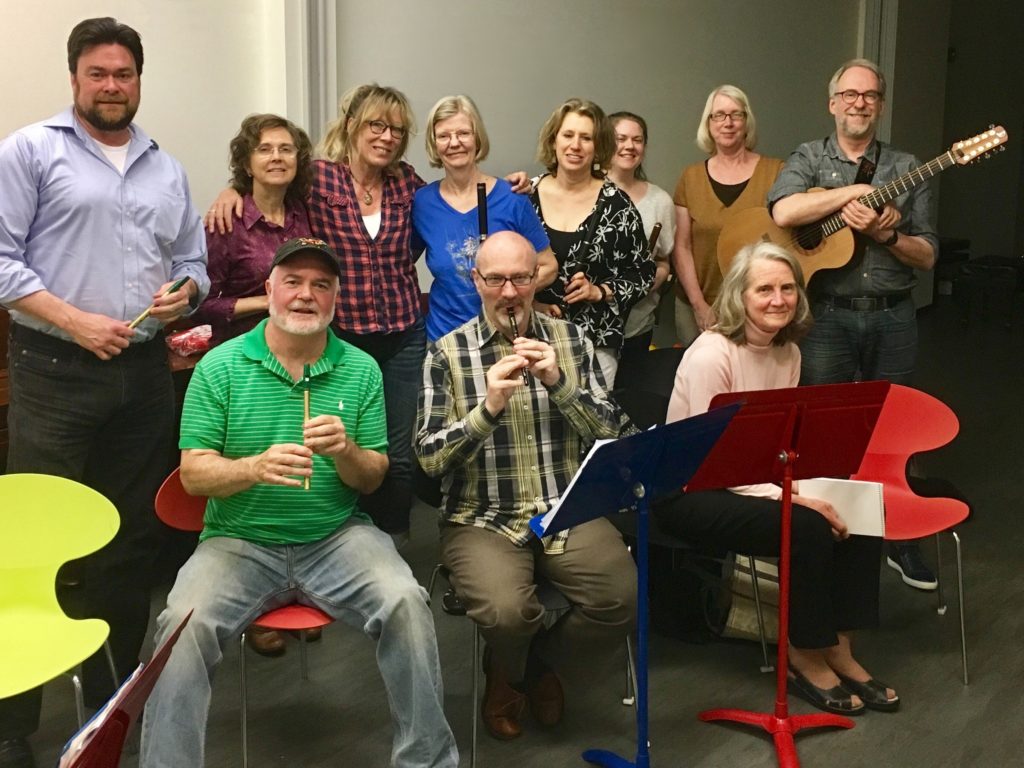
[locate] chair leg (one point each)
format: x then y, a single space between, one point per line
940 593
303 659
473 710
960 594
767 666
245 719
433 580
110 663
629 700
79 700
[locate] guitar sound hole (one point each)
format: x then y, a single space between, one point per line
808 238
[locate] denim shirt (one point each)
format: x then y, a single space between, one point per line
103 241
873 270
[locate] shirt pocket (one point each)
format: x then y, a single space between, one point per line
160 212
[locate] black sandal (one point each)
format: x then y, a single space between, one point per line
836 700
872 693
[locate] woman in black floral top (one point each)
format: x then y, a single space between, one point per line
595 230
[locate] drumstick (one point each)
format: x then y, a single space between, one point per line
305 406
481 208
177 285
515 333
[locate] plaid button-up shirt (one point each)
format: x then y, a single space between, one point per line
500 472
379 288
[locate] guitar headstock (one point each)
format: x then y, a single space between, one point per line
969 150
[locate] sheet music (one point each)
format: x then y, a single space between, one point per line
858 502
550 515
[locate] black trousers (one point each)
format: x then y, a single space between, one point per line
834 584
400 357
109 425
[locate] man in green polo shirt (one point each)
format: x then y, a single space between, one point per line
267 540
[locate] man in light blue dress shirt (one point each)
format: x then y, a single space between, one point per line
96 224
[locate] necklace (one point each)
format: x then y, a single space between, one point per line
367 191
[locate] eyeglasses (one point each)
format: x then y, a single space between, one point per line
267 150
446 138
850 96
378 126
719 117
498 281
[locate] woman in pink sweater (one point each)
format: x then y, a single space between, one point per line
762 310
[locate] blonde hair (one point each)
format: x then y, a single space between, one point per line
704 140
729 307
450 106
604 137
358 107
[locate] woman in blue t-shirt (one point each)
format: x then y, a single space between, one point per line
445 214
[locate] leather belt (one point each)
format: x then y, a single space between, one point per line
49 344
865 303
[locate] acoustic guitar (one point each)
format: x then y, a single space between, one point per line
828 243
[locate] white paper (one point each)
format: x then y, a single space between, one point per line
860 503
550 514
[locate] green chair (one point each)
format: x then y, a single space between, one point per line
45 521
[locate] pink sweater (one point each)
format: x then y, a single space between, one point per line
713 365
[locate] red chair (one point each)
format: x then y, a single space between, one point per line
912 422
178 509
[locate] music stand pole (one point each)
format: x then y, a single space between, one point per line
822 431
643 745
629 472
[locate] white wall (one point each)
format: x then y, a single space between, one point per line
207 65
659 58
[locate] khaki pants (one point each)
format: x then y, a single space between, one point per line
497 583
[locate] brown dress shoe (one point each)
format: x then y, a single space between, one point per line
547 701
503 705
266 642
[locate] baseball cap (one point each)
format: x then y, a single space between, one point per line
310 245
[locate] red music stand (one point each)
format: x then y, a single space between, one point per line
100 741
779 436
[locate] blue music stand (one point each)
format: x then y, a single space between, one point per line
631 471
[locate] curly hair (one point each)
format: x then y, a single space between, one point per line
604 138
729 307
248 138
358 107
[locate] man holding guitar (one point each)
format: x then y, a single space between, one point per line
865 325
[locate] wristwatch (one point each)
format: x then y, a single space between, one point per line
606 292
891 241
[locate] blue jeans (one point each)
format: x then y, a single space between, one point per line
400 357
845 345
354 575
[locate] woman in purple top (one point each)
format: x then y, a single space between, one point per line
271 168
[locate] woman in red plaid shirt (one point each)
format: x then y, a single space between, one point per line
361 204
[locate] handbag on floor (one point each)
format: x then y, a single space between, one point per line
741 620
